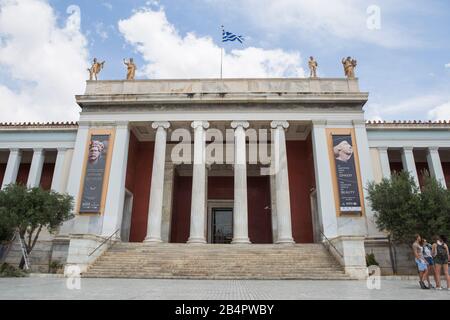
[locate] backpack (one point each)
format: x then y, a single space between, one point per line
441 251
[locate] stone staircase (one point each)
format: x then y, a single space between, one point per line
216 261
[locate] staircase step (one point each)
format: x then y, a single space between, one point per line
181 261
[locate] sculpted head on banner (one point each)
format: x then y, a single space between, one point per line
95 151
343 151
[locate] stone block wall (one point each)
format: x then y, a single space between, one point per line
44 252
404 257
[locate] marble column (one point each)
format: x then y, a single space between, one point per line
409 163
384 162
279 158
199 181
112 217
240 212
76 167
166 224
37 163
157 185
58 172
435 165
361 143
324 182
12 167
77 225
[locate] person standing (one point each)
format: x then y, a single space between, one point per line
421 263
440 254
427 254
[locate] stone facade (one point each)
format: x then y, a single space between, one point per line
151 197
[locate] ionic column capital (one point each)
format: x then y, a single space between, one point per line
240 124
408 149
279 124
161 124
61 149
382 149
15 150
197 124
38 150
433 149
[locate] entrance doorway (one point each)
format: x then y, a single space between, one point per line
221 225
220 221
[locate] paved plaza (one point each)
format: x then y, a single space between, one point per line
55 288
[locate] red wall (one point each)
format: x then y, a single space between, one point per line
47 176
259 214
421 167
22 175
138 181
395 167
181 209
301 172
2 172
24 170
222 188
446 168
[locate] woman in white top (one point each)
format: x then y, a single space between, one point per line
427 254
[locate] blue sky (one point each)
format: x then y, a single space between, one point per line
402 65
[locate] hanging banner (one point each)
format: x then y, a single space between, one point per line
97 163
346 173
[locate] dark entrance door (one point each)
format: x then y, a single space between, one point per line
222 225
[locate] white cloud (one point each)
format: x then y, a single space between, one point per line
170 55
433 106
447 65
101 31
441 112
319 19
46 64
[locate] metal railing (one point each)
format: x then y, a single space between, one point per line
332 245
104 241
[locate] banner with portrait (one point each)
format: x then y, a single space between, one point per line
96 166
346 173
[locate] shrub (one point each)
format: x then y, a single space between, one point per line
9 271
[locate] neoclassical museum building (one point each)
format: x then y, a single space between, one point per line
232 178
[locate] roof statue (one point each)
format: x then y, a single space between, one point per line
95 69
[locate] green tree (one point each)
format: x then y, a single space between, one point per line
433 215
403 210
30 210
396 202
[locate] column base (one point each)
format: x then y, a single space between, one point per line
241 241
153 240
196 241
285 241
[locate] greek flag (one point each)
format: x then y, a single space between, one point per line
228 36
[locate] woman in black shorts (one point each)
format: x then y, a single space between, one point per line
440 254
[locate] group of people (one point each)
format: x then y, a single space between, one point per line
431 258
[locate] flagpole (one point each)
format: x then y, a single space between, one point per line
221 62
221 57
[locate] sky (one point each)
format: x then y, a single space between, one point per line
402 48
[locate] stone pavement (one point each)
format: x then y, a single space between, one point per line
55 288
